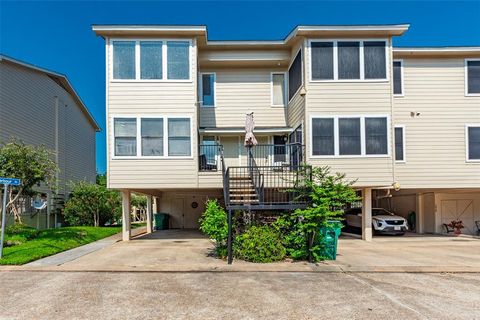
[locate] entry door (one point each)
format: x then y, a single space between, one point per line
194 207
459 209
231 151
177 214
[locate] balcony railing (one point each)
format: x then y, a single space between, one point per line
209 157
278 155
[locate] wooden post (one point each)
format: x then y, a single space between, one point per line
126 232
149 214
367 214
229 240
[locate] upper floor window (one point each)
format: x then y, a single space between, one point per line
398 77
400 143
152 137
278 89
207 89
295 75
472 77
473 142
125 135
348 60
179 139
150 60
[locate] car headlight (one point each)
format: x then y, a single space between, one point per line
378 222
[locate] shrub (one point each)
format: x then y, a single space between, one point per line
260 244
214 224
21 230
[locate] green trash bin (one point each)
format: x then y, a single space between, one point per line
161 221
329 239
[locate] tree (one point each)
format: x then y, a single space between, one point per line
32 164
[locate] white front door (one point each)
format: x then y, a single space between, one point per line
459 209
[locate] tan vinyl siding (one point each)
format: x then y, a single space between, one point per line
239 91
435 140
296 111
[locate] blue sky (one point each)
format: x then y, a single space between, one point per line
57 35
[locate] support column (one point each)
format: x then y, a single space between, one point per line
229 240
419 213
126 232
149 214
367 214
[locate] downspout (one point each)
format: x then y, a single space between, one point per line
392 116
56 161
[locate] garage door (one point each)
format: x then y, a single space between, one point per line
459 209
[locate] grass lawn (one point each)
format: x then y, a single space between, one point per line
26 244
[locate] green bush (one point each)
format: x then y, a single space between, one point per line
260 244
21 230
214 224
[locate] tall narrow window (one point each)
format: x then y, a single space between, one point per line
349 60
473 142
179 140
397 78
399 144
150 59
125 133
278 89
322 60
123 59
323 142
178 58
376 141
349 136
473 77
374 60
208 89
295 76
152 137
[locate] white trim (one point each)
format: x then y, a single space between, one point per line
404 143
139 118
285 91
361 59
302 74
401 76
164 78
212 131
200 88
467 140
467 94
436 49
362 136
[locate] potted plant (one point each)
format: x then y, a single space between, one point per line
457 226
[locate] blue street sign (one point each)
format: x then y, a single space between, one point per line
10 181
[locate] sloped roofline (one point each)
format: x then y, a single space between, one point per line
64 80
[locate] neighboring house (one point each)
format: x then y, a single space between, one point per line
40 107
405 122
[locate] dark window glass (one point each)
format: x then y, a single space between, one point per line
295 75
152 137
473 76
178 63
397 77
125 134
349 136
322 137
374 60
208 89
348 60
150 59
322 60
279 149
399 156
474 143
123 59
376 136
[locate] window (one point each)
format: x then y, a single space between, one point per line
179 143
348 60
350 136
152 137
207 87
278 89
125 133
397 77
151 60
148 60
473 142
399 143
473 77
123 59
295 76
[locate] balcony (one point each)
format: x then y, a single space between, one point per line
209 157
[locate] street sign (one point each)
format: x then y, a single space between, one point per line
10 181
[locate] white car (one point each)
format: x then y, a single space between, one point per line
383 221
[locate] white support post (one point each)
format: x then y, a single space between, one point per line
149 214
419 214
367 214
126 232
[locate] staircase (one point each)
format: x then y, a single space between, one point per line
242 190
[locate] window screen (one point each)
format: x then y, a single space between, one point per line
208 89
399 156
473 76
376 136
125 133
179 142
349 136
278 89
322 60
150 59
397 77
474 143
178 59
323 137
348 60
374 60
123 59
295 75
152 137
